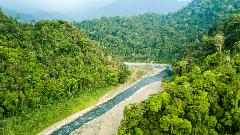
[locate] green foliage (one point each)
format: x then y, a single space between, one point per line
157 102
231 30
175 125
35 120
202 98
161 38
47 62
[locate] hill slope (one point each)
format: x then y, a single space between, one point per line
162 38
201 99
47 62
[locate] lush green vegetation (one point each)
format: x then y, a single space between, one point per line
51 69
35 120
204 95
154 37
47 63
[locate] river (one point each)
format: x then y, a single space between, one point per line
104 107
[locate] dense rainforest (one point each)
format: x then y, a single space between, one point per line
51 69
203 96
155 37
49 61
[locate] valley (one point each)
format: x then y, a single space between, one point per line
175 70
108 123
117 98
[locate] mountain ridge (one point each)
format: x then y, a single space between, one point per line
116 8
162 38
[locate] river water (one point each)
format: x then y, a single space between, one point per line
104 107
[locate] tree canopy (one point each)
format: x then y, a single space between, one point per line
155 37
47 61
203 96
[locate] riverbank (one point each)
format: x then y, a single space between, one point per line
108 123
35 121
137 74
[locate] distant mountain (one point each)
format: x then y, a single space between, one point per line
35 15
136 7
116 8
20 16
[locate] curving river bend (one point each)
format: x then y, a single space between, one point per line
106 106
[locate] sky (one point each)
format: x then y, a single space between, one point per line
61 6
74 8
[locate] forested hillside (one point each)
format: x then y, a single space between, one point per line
47 62
52 69
154 37
204 94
